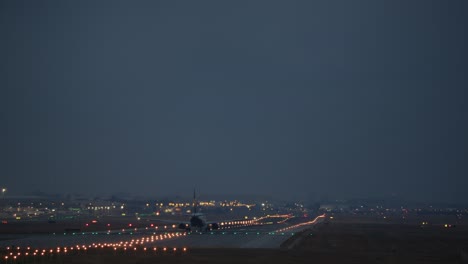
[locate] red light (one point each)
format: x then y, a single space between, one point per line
130 225
94 221
108 224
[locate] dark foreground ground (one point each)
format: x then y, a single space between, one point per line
341 240
206 255
354 242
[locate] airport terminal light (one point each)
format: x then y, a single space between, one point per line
3 191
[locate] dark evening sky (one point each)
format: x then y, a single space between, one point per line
293 99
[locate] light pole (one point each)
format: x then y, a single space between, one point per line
3 198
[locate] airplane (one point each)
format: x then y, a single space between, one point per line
197 220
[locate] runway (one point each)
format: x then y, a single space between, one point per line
266 235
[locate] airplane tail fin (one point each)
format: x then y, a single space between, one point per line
194 202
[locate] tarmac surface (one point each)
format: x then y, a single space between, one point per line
267 235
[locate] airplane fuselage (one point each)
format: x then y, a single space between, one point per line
198 222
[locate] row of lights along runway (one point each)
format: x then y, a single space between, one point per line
129 231
254 222
122 247
302 224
